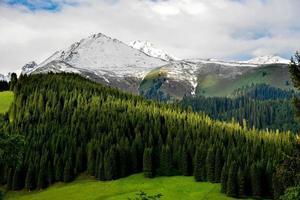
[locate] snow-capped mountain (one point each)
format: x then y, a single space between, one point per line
151 50
140 68
103 56
268 59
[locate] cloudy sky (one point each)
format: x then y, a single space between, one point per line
223 29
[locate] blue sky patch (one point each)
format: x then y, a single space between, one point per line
34 5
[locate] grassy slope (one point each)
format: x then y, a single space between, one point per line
6 99
177 187
213 85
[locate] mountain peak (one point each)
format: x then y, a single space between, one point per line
151 50
268 59
102 55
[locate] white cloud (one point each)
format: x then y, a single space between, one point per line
185 28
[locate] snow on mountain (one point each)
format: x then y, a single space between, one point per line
268 59
150 49
102 55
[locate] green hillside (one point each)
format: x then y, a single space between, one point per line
273 75
72 126
177 187
6 99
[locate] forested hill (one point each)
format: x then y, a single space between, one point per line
260 106
72 125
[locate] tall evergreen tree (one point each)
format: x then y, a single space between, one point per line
232 187
198 166
147 163
210 165
241 183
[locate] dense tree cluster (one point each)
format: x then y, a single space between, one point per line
261 106
4 85
72 125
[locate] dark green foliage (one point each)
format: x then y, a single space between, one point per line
218 166
143 196
256 181
72 125
261 106
13 81
224 178
165 161
210 165
232 187
30 178
291 194
241 183
68 171
4 86
198 166
148 163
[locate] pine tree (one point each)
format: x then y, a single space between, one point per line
41 182
232 189
218 166
59 170
67 172
241 183
16 184
165 161
224 178
256 180
184 162
198 166
147 163
210 165
30 178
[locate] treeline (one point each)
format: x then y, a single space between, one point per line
261 106
264 92
72 125
4 86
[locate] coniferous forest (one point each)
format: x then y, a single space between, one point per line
72 125
260 106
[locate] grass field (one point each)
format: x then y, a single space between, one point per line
6 99
86 188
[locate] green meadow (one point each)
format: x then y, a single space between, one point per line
6 99
87 188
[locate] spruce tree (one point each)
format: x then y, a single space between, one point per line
184 162
210 165
67 172
224 177
165 161
241 183
147 163
30 178
256 180
198 166
218 166
232 189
